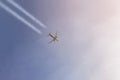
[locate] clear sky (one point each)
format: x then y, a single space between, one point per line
88 46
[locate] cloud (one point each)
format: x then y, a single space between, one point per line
12 2
16 15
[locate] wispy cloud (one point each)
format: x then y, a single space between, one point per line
9 10
19 17
26 13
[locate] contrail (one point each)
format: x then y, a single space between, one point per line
5 7
26 13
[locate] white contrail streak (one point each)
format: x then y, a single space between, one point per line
26 13
5 7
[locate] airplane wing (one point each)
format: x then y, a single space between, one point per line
51 35
51 41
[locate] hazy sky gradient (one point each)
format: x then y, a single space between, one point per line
88 29
88 47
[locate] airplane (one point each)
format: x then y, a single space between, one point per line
54 37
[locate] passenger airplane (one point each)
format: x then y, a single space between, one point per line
54 37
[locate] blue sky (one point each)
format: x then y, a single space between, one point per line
88 46
16 50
